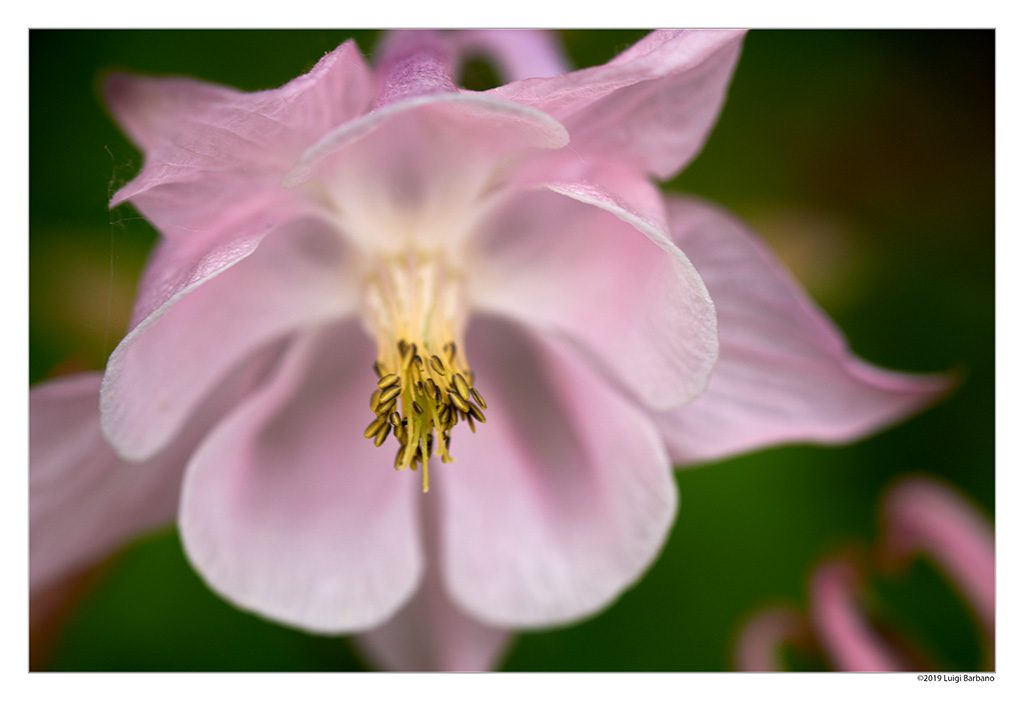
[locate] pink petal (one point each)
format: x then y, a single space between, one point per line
433 136
190 129
847 636
431 633
561 500
211 207
411 63
287 511
923 516
216 157
784 372
594 269
84 500
652 106
519 53
203 317
762 636
423 170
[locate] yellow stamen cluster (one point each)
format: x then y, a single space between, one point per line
424 386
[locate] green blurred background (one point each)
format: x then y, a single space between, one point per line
866 158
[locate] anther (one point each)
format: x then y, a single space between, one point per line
382 434
374 426
437 365
475 412
387 381
460 386
389 394
478 398
385 408
458 401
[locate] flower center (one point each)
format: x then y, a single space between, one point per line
414 306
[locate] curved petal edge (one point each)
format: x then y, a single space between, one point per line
784 372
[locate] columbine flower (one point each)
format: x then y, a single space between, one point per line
370 270
920 516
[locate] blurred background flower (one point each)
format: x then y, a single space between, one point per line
923 522
866 159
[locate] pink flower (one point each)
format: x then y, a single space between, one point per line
497 270
920 516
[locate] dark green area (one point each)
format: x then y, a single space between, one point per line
884 137
929 617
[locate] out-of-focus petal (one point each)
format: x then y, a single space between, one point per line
189 127
921 515
652 106
590 267
518 53
411 63
210 316
431 633
784 372
84 501
289 512
759 644
561 500
846 635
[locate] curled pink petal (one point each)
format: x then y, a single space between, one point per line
921 515
652 106
784 372
216 315
762 636
287 511
590 268
431 633
561 500
843 630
